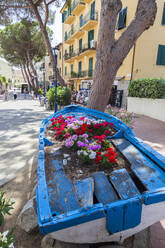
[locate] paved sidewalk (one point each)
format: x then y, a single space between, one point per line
19 127
152 132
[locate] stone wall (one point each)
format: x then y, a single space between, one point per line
154 108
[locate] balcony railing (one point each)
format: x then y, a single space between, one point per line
89 17
80 50
81 74
77 6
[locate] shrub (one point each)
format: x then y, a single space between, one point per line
63 96
147 88
6 238
40 91
123 115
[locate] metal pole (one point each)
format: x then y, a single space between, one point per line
44 83
55 77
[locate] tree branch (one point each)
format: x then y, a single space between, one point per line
144 18
46 13
50 2
5 7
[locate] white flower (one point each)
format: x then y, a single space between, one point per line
85 153
79 152
92 155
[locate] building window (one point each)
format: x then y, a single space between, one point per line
122 19
80 45
66 35
72 29
161 55
71 68
92 17
163 17
90 37
65 70
80 68
81 21
90 70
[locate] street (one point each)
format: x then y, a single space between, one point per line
19 126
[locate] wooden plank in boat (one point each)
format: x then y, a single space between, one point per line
149 174
61 190
123 214
84 191
104 191
123 184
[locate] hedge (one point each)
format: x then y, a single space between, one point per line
63 96
147 88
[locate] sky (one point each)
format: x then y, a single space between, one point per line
57 28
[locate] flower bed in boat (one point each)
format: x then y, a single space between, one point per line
83 146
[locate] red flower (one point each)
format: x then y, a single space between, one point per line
98 153
98 159
90 130
67 135
111 124
107 132
112 159
82 118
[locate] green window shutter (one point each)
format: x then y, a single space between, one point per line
71 68
70 50
66 35
163 17
80 45
90 37
79 68
65 70
81 21
60 55
63 16
161 55
90 71
122 19
92 16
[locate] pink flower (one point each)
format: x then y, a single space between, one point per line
107 132
67 135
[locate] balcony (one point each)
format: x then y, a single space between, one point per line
69 57
68 18
77 7
69 37
87 49
73 34
87 1
82 74
89 21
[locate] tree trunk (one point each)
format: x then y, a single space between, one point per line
27 76
23 73
33 70
30 76
46 39
110 52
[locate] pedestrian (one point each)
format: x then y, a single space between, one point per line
32 94
15 95
24 93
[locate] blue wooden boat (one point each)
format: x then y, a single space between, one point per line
100 208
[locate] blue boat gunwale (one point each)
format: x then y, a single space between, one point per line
48 222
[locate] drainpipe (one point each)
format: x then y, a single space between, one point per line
133 61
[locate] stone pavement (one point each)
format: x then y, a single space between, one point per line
152 132
19 127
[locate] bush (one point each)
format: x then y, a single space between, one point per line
147 88
63 96
6 238
40 91
123 115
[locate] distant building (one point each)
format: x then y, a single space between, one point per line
77 56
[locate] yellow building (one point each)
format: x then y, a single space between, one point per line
80 31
